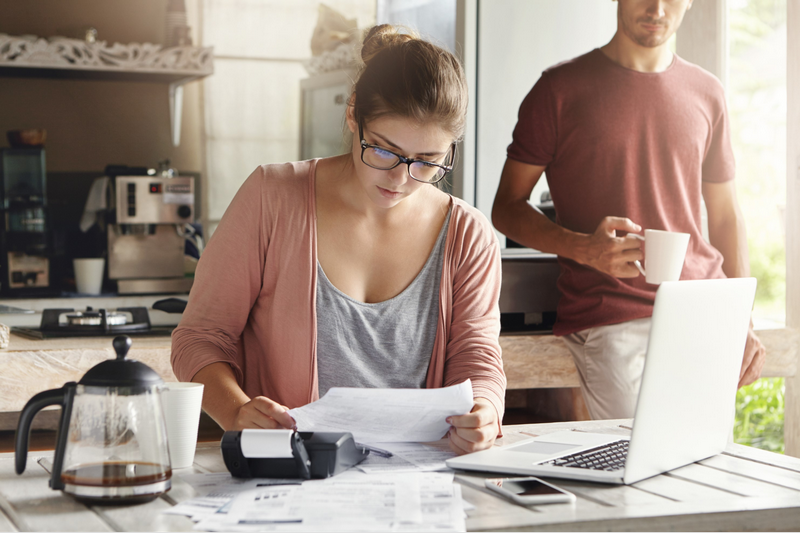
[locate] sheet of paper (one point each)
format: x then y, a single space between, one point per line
260 443
407 457
386 415
352 501
215 491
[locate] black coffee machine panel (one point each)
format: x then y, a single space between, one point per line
25 248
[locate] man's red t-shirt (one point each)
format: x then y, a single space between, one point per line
618 142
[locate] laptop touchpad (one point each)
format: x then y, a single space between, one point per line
545 448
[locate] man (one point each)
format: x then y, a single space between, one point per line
631 137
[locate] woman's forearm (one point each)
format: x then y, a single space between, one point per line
222 395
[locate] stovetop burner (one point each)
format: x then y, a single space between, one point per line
93 323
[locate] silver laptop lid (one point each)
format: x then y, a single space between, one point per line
686 404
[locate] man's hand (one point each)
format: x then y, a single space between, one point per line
474 431
263 413
754 357
610 254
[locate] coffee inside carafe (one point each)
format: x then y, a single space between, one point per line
118 482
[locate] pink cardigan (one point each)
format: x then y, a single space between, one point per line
253 301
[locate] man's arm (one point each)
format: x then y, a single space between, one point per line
727 233
726 228
515 217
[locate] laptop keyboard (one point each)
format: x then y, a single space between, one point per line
608 457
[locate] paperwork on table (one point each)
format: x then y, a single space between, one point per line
386 415
216 491
407 457
352 501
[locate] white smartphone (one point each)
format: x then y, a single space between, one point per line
529 490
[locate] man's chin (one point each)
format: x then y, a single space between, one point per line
647 40
651 41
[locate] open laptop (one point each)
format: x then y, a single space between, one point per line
686 403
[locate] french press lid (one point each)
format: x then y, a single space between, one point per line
121 372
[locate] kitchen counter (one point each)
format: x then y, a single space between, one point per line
81 302
31 366
530 362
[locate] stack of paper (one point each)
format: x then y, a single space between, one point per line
409 495
352 501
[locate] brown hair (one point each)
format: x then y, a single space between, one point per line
406 76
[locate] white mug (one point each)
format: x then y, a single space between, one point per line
665 252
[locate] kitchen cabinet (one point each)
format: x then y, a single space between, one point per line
63 58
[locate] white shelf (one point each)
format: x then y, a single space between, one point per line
61 58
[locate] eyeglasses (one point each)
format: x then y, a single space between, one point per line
419 170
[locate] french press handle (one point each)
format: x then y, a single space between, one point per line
62 397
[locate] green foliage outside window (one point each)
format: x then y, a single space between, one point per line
759 414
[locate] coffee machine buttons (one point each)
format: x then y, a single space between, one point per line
155 188
131 199
184 211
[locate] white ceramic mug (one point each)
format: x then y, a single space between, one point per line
182 403
664 255
89 275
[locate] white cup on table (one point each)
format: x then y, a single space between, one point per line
182 404
664 253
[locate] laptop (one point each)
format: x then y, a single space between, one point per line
686 405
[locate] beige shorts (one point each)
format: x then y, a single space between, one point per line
610 360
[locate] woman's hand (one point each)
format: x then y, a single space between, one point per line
263 413
474 431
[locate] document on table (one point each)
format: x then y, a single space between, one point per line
216 491
407 457
352 501
386 415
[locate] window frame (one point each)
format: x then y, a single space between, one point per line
703 40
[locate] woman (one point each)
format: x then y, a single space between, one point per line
354 270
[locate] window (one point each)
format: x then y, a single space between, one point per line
252 102
757 105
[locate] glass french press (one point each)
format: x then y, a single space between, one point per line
111 445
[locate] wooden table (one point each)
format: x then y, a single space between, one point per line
742 489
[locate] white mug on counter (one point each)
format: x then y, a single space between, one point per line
89 275
664 255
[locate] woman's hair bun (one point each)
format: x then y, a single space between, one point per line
384 36
406 76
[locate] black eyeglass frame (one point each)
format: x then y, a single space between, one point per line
407 160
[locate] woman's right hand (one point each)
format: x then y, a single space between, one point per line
263 413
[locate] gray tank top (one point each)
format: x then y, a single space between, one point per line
386 344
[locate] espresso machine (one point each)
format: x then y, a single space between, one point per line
147 232
25 246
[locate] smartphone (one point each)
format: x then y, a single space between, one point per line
529 490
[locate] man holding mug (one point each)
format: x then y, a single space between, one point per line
632 137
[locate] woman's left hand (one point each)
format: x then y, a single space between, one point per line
474 431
